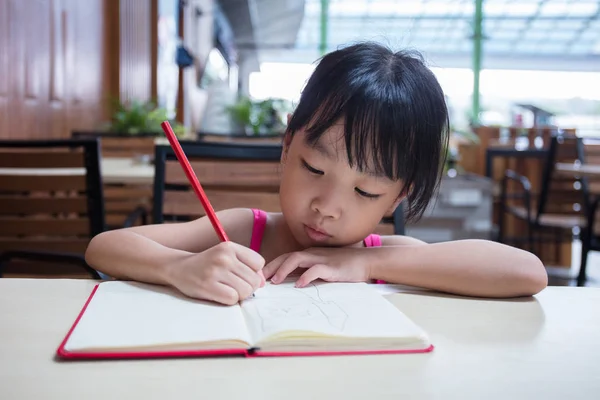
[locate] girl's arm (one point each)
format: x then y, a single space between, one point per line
176 255
465 267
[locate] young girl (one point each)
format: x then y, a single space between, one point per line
369 131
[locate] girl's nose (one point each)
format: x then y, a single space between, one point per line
328 203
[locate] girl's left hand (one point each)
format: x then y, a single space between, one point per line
329 264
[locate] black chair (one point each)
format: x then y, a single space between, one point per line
51 201
124 204
232 175
563 206
589 153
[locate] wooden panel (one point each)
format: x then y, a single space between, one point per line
135 53
115 220
127 147
46 244
5 46
121 206
10 205
240 139
50 227
127 192
119 201
227 173
51 54
41 182
186 203
87 55
40 159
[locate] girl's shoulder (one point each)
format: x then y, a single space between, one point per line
400 240
238 223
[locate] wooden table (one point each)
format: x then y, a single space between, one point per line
113 170
542 347
589 170
126 171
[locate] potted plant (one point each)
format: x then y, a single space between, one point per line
138 118
262 117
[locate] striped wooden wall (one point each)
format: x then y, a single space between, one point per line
62 60
136 49
51 67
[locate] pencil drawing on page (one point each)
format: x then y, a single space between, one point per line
300 305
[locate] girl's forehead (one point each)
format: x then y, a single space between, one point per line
332 145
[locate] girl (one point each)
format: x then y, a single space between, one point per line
369 131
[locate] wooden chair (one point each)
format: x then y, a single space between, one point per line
558 210
240 138
232 175
589 154
50 203
125 204
121 146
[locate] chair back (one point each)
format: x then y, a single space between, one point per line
231 174
121 199
561 194
50 195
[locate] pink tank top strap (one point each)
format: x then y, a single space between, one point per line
258 229
373 240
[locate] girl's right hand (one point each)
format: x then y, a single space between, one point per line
225 273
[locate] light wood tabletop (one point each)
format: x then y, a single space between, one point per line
113 170
541 347
591 170
127 171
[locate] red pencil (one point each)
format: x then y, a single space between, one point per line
189 172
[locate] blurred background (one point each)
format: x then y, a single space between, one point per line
521 78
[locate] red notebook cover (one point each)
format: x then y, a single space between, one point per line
65 354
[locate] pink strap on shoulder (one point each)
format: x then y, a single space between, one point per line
373 240
258 229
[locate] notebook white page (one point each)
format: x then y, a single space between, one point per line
353 310
129 315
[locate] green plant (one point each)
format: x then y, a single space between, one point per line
263 116
137 117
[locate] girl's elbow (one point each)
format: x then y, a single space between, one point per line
533 276
92 248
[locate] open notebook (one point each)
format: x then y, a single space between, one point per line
136 320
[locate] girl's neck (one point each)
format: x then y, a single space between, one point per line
283 236
278 238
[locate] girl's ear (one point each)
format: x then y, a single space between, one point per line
396 203
403 195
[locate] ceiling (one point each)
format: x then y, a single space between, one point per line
519 34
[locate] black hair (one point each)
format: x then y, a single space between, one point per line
394 110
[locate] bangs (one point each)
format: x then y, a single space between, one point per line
376 140
394 114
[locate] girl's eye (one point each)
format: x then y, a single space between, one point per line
367 195
311 169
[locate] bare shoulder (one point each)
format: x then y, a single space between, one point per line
399 240
238 224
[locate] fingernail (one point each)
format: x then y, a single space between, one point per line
274 280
